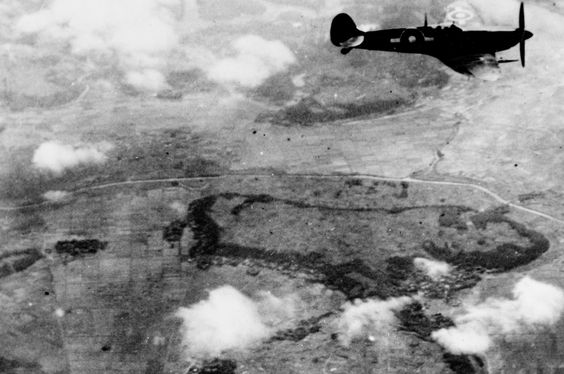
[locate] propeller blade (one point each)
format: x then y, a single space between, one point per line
524 33
522 51
522 17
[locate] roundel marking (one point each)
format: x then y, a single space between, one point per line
458 14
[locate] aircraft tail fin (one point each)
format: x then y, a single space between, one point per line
344 32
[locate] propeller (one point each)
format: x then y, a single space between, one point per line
524 34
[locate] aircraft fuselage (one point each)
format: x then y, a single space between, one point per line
467 52
439 42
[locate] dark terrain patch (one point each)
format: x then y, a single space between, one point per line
464 364
277 89
414 320
201 167
357 279
18 102
309 111
16 261
354 182
8 366
404 191
50 80
451 217
193 80
169 95
400 268
216 366
530 196
166 155
304 328
81 247
173 232
354 278
503 257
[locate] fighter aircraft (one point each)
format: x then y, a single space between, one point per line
467 52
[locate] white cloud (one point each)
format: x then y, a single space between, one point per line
140 33
368 318
56 196
229 320
434 269
179 208
256 59
277 310
146 79
504 12
56 157
299 80
60 313
535 304
469 338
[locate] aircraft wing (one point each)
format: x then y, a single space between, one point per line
483 66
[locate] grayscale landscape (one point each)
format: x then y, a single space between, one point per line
205 186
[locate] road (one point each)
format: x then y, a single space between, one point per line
488 192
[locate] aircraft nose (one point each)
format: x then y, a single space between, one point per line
527 35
